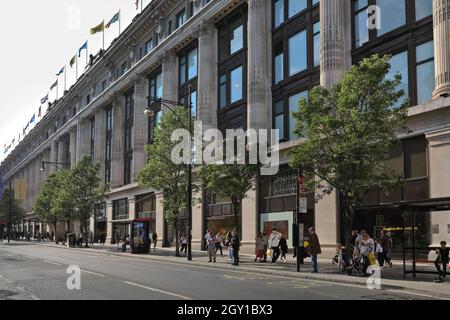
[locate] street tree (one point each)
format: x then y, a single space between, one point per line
349 131
163 174
55 202
11 210
230 181
86 190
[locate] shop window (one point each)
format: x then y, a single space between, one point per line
415 158
425 71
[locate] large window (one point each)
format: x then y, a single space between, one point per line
108 145
394 14
399 65
128 147
155 91
188 71
120 209
232 70
298 53
181 18
286 9
92 137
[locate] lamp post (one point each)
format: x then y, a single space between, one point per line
55 164
152 101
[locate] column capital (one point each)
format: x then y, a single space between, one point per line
441 31
167 57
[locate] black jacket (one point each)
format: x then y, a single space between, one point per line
283 245
235 242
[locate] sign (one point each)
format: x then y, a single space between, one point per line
303 205
301 234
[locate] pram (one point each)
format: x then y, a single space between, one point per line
360 263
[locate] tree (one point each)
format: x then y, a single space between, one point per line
232 181
86 190
10 209
161 173
349 132
55 202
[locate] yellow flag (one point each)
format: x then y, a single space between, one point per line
99 28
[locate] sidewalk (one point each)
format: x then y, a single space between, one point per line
392 278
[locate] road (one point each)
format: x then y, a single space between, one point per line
38 272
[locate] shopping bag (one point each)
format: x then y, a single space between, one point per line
269 253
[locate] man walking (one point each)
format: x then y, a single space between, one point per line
274 240
442 260
315 249
236 245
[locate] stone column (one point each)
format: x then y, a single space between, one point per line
335 28
169 76
131 208
61 153
30 185
439 179
159 218
207 76
335 60
249 221
109 226
259 62
441 30
73 146
83 139
37 177
140 126
100 140
117 158
197 224
53 156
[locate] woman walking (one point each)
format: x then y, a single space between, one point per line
284 248
259 248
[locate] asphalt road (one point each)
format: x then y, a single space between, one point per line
37 272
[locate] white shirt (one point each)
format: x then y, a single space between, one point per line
274 239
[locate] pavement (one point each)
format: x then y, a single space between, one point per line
110 274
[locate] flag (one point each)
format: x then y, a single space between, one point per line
83 47
60 72
44 99
40 112
137 4
33 118
99 28
14 141
54 85
114 19
73 60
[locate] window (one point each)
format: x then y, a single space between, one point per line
169 28
223 91
399 65
108 145
120 209
88 99
296 6
393 15
149 46
361 16
297 53
293 107
237 39
425 71
192 64
155 85
279 67
279 118
435 229
415 150
100 211
424 8
128 147
92 137
191 9
284 119
188 66
316 40
237 84
278 13
286 9
181 18
188 70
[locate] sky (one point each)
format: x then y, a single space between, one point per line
38 38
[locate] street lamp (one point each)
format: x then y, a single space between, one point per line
149 112
56 164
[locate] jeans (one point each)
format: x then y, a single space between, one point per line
442 273
212 254
230 253
276 254
235 257
184 247
314 263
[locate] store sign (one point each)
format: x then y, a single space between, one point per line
303 205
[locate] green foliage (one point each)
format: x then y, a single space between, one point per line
349 131
9 205
161 173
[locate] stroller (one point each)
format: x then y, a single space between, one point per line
360 263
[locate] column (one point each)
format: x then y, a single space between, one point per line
61 153
117 170
439 179
140 126
207 76
53 156
259 62
335 24
170 76
109 226
83 139
441 31
131 208
249 221
73 146
197 224
159 218
37 177
30 186
100 140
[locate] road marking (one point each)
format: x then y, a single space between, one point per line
94 273
56 264
157 290
418 294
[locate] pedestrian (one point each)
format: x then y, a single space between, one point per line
230 248
91 238
219 243
266 245
274 240
183 242
379 253
315 249
442 260
236 245
284 248
259 244
155 241
386 243
211 241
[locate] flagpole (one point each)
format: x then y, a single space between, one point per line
142 5
120 19
57 87
65 78
103 35
76 62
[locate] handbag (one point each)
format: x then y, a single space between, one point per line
269 253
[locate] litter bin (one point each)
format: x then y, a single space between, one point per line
71 240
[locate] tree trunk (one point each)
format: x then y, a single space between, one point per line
236 211
177 245
348 224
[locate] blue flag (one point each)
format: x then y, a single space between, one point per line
33 119
60 72
83 47
44 99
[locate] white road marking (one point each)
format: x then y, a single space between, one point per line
94 273
51 262
418 294
157 290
